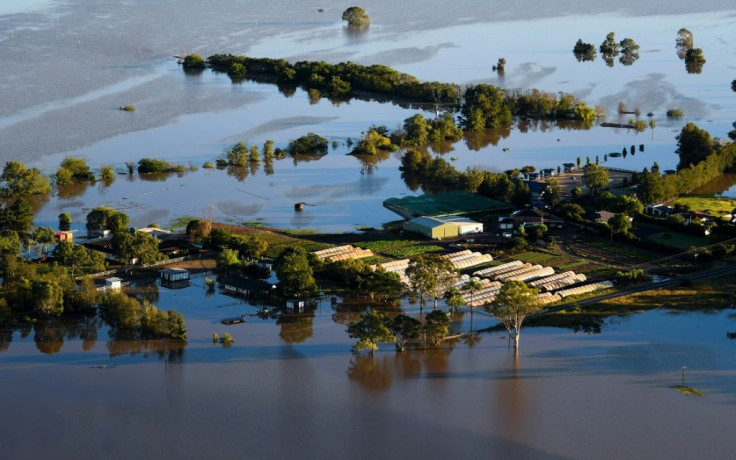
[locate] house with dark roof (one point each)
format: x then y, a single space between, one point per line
528 217
244 287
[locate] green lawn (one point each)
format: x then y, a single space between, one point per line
677 240
715 206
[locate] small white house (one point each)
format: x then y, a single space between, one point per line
113 283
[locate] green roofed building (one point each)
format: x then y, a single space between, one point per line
444 204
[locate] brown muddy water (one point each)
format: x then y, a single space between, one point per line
290 388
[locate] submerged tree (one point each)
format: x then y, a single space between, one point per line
405 328
629 51
193 61
609 49
514 302
356 17
436 327
373 328
584 51
684 42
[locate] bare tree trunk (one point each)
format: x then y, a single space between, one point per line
517 338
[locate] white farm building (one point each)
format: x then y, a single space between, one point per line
443 227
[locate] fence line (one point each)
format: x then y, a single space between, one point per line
125 269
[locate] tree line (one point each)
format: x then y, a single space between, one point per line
482 106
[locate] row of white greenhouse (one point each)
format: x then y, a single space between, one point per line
552 286
342 253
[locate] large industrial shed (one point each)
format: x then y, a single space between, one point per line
442 227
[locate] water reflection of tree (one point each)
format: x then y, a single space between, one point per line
286 89
477 140
296 328
127 342
442 147
49 335
193 72
305 158
268 166
238 172
718 185
377 372
146 292
37 202
628 58
73 190
6 336
155 177
368 163
373 372
471 340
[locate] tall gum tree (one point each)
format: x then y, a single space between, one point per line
514 302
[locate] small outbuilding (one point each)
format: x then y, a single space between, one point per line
113 283
65 236
174 277
296 305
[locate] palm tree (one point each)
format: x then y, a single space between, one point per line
472 287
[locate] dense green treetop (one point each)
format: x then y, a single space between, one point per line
514 302
309 144
356 17
19 181
73 169
693 145
193 61
595 177
294 272
372 142
374 327
584 51
436 327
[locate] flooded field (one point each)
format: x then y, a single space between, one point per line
289 387
63 97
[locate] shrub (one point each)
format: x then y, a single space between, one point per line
311 144
152 165
193 61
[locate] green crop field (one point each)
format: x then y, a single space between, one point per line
534 257
398 248
620 249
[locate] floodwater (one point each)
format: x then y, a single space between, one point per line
291 387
